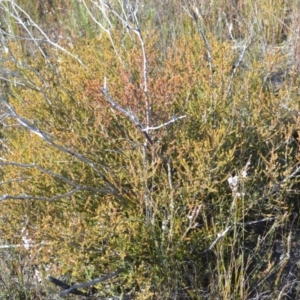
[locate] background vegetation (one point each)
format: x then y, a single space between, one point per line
155 142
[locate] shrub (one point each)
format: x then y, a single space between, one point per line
179 170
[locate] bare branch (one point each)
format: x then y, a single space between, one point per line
137 30
41 198
13 180
85 284
76 186
238 64
270 219
174 119
34 129
219 237
101 7
65 286
229 228
128 114
16 8
194 14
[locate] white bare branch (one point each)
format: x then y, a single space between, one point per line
174 119
222 234
14 13
107 29
135 27
128 114
47 138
